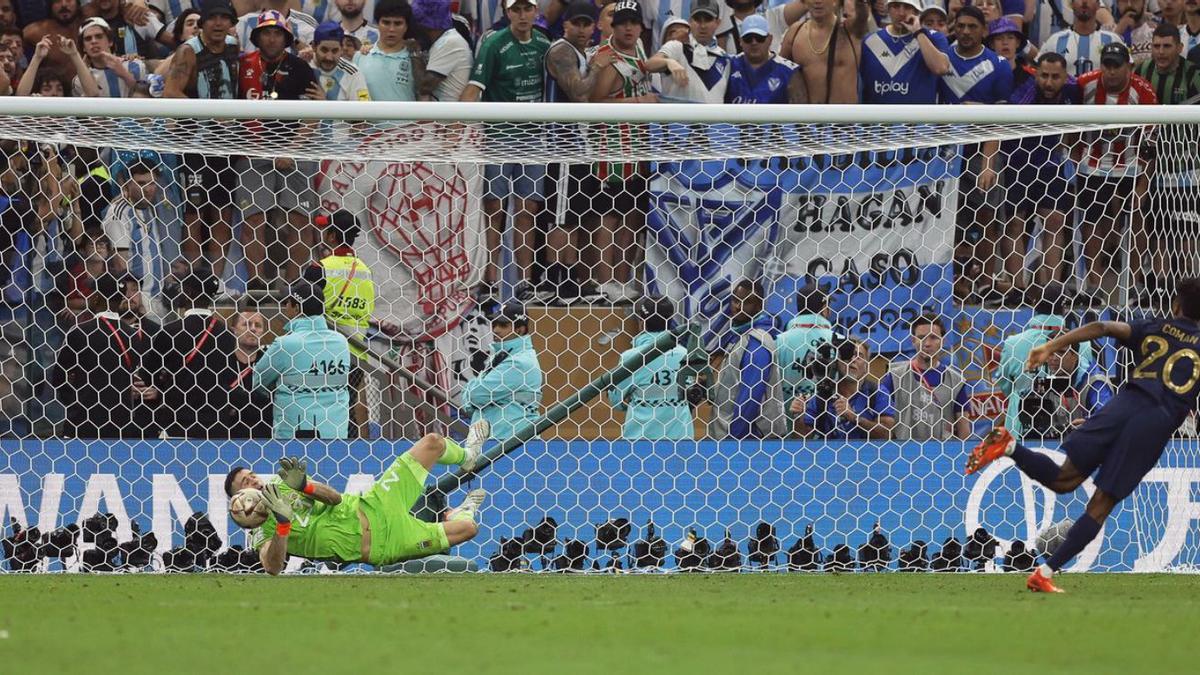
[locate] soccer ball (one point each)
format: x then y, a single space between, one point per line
248 508
1052 537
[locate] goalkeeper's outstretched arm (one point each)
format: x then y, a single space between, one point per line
293 471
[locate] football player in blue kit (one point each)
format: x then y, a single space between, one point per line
1125 438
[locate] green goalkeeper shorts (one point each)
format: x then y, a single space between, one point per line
396 534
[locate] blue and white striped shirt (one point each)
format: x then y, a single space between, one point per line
140 232
1082 52
112 86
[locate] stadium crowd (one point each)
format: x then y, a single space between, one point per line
149 220
630 51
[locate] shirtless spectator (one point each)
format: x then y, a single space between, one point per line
64 21
811 44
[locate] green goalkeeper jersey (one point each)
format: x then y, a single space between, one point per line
319 531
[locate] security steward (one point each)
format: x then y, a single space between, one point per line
349 298
653 397
307 370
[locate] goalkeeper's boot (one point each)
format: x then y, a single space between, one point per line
469 506
995 445
477 435
1040 583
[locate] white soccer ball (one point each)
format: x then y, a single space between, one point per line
1052 537
248 508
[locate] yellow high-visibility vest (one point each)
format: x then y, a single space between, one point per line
349 294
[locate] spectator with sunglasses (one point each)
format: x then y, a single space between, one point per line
759 74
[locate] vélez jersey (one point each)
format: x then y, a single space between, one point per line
508 70
1166 363
893 70
983 78
768 83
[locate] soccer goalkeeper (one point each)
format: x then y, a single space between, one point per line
314 521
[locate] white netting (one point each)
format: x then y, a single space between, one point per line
994 228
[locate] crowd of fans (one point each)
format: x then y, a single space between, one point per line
577 236
147 218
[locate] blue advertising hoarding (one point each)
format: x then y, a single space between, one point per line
913 490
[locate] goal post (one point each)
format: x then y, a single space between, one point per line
997 220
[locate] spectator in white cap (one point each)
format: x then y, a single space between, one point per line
699 69
933 17
450 58
828 49
134 30
894 72
759 75
675 30
113 75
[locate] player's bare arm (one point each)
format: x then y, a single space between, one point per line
1086 333
183 69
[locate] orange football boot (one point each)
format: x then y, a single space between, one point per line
991 448
1041 584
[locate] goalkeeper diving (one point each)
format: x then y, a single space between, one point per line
312 520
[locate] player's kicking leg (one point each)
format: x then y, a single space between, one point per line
1061 479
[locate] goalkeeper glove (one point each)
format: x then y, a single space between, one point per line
279 505
294 473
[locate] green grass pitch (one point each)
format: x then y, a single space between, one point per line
748 623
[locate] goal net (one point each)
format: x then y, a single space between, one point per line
854 292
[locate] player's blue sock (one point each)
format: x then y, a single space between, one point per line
1035 465
1080 535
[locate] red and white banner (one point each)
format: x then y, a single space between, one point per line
423 237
